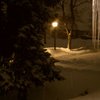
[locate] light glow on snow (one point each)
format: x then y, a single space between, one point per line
65 51
79 57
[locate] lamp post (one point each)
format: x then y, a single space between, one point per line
54 25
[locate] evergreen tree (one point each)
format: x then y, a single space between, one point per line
24 61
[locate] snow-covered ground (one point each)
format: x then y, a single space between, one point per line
82 62
81 67
92 96
78 58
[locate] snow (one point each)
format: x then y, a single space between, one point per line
82 59
92 96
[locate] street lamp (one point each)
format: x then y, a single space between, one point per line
54 25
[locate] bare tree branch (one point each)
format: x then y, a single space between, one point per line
82 2
74 2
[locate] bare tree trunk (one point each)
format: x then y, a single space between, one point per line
69 40
45 38
68 24
72 16
65 23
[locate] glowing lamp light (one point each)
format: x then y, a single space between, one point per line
55 24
